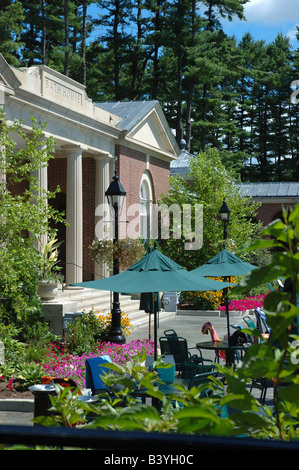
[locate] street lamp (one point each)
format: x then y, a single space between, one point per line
224 216
116 196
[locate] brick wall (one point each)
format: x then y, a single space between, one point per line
57 169
131 165
160 172
89 174
270 211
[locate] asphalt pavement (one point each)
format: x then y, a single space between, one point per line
188 326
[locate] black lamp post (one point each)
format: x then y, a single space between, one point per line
116 196
224 216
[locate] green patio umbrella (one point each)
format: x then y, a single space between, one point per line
225 264
155 272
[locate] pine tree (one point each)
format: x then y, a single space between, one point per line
115 21
11 16
279 80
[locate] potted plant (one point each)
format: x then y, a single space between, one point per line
49 276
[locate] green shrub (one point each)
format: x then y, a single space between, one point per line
28 374
83 332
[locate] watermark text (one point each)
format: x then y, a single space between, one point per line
157 221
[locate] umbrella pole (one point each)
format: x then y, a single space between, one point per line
155 328
227 322
149 325
227 319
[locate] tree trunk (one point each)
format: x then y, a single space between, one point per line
66 38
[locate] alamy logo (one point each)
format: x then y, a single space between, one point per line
295 352
162 221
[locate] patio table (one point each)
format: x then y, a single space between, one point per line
42 402
222 346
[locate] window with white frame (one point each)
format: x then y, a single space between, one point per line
146 199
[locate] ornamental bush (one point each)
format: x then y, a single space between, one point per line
86 330
204 300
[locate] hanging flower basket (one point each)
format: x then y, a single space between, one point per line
128 251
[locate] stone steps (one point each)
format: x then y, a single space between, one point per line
86 299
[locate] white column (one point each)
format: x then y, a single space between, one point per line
74 211
102 214
42 177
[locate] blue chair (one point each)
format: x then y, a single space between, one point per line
94 372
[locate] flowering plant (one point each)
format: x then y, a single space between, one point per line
128 251
248 303
62 364
204 300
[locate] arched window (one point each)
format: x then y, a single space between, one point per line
146 199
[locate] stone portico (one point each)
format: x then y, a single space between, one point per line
91 140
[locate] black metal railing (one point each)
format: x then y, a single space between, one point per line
132 441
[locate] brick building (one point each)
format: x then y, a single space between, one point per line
92 140
272 196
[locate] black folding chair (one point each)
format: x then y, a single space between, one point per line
186 364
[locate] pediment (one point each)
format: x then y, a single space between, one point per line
154 133
7 75
143 124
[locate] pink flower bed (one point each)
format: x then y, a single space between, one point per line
69 366
248 303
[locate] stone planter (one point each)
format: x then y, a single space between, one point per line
214 313
47 290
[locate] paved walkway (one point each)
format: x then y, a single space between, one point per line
188 326
16 418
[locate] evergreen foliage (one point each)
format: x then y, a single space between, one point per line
215 91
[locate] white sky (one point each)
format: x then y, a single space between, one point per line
272 12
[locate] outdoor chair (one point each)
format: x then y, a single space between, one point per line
170 333
261 321
206 378
202 378
95 370
249 322
263 385
186 364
